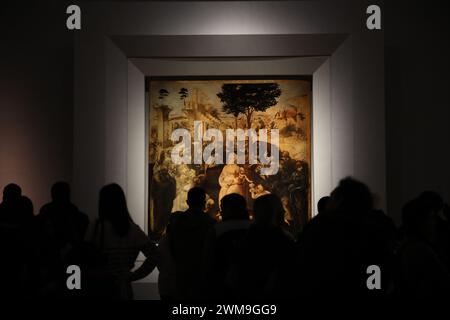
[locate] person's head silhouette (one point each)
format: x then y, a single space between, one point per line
233 207
196 198
323 204
113 208
12 192
432 201
419 215
351 198
268 210
61 192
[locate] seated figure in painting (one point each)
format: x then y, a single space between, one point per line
185 182
232 179
163 194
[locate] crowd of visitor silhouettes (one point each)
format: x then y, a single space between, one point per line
234 259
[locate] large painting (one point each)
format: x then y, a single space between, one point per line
246 136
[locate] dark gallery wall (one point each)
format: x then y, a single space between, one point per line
36 85
36 98
417 99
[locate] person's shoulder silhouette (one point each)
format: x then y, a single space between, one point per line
334 238
24 211
61 217
264 267
188 233
223 245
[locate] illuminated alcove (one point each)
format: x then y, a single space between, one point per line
122 43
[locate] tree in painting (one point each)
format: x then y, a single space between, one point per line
162 94
165 110
183 95
248 98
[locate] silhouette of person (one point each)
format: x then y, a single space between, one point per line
223 245
59 227
16 213
121 240
8 211
443 234
330 261
12 192
322 204
378 238
187 236
422 274
61 220
166 264
265 264
322 209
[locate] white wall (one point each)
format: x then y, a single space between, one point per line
321 138
116 114
342 116
356 117
136 151
369 139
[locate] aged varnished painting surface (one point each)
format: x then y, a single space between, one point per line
283 105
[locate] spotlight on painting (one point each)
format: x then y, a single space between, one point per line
251 137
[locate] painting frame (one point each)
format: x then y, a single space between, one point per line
149 80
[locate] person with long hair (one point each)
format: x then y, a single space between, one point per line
120 241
